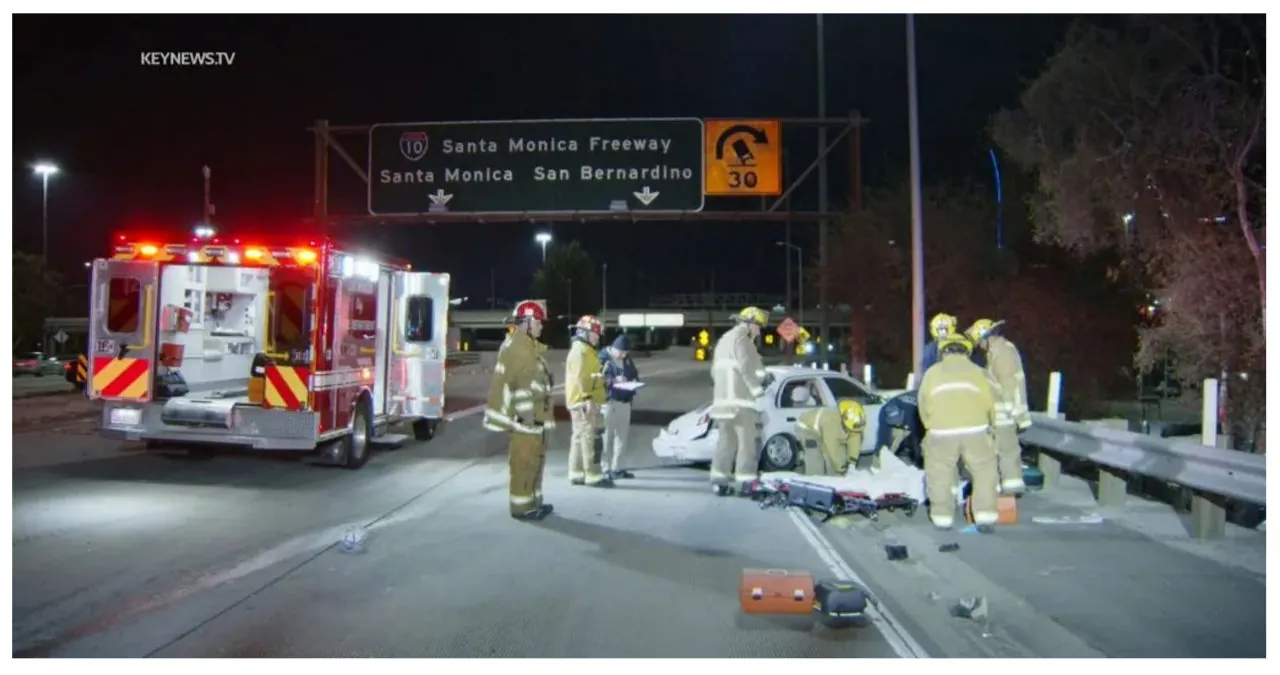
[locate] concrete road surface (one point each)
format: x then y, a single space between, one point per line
143 555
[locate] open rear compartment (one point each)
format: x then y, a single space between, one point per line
212 321
218 329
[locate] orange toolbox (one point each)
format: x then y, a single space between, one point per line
776 591
1006 510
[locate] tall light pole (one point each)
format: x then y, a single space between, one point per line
543 238
44 170
822 187
799 274
917 206
604 288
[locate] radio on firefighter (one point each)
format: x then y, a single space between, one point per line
265 340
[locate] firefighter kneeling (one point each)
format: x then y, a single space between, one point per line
520 405
832 439
958 411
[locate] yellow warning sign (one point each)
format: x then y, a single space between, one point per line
744 157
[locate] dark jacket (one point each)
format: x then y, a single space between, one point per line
931 357
611 370
899 412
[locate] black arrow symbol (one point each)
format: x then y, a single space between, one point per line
757 136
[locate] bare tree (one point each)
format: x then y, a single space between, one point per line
1148 139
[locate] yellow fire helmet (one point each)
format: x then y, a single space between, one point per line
982 328
943 324
954 343
753 315
852 416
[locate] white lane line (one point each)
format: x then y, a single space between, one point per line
899 640
558 389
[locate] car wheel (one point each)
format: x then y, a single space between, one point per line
780 453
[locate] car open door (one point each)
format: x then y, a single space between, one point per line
419 336
122 325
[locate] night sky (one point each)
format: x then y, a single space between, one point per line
131 139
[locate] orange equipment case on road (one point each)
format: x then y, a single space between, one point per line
776 592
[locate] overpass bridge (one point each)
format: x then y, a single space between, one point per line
642 317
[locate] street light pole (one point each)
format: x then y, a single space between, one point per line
604 288
44 169
917 206
799 274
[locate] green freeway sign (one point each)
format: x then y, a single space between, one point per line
653 165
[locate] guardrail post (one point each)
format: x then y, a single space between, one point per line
1208 515
1050 466
867 375
1112 486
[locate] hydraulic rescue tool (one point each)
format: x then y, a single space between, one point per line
824 499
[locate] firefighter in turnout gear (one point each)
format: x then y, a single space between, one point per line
1004 368
519 405
940 326
584 394
738 376
958 409
832 439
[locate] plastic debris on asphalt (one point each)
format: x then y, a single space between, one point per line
353 540
971 608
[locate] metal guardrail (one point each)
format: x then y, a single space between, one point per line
1227 473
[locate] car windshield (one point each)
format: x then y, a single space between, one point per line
28 356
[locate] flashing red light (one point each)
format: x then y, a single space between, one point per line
148 249
254 253
304 256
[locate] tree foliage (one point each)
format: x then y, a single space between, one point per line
36 289
568 282
1148 139
1047 310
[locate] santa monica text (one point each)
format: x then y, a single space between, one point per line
585 173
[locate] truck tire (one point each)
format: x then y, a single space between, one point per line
425 429
356 445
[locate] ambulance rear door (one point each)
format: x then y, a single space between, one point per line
122 325
419 343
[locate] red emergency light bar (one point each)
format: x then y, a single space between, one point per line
302 248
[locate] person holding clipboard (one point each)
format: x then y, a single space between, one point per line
621 381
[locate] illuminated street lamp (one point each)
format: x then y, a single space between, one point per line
543 238
44 170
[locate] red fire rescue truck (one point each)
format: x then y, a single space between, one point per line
266 341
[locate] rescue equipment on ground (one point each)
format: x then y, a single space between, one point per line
824 499
1006 510
795 593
